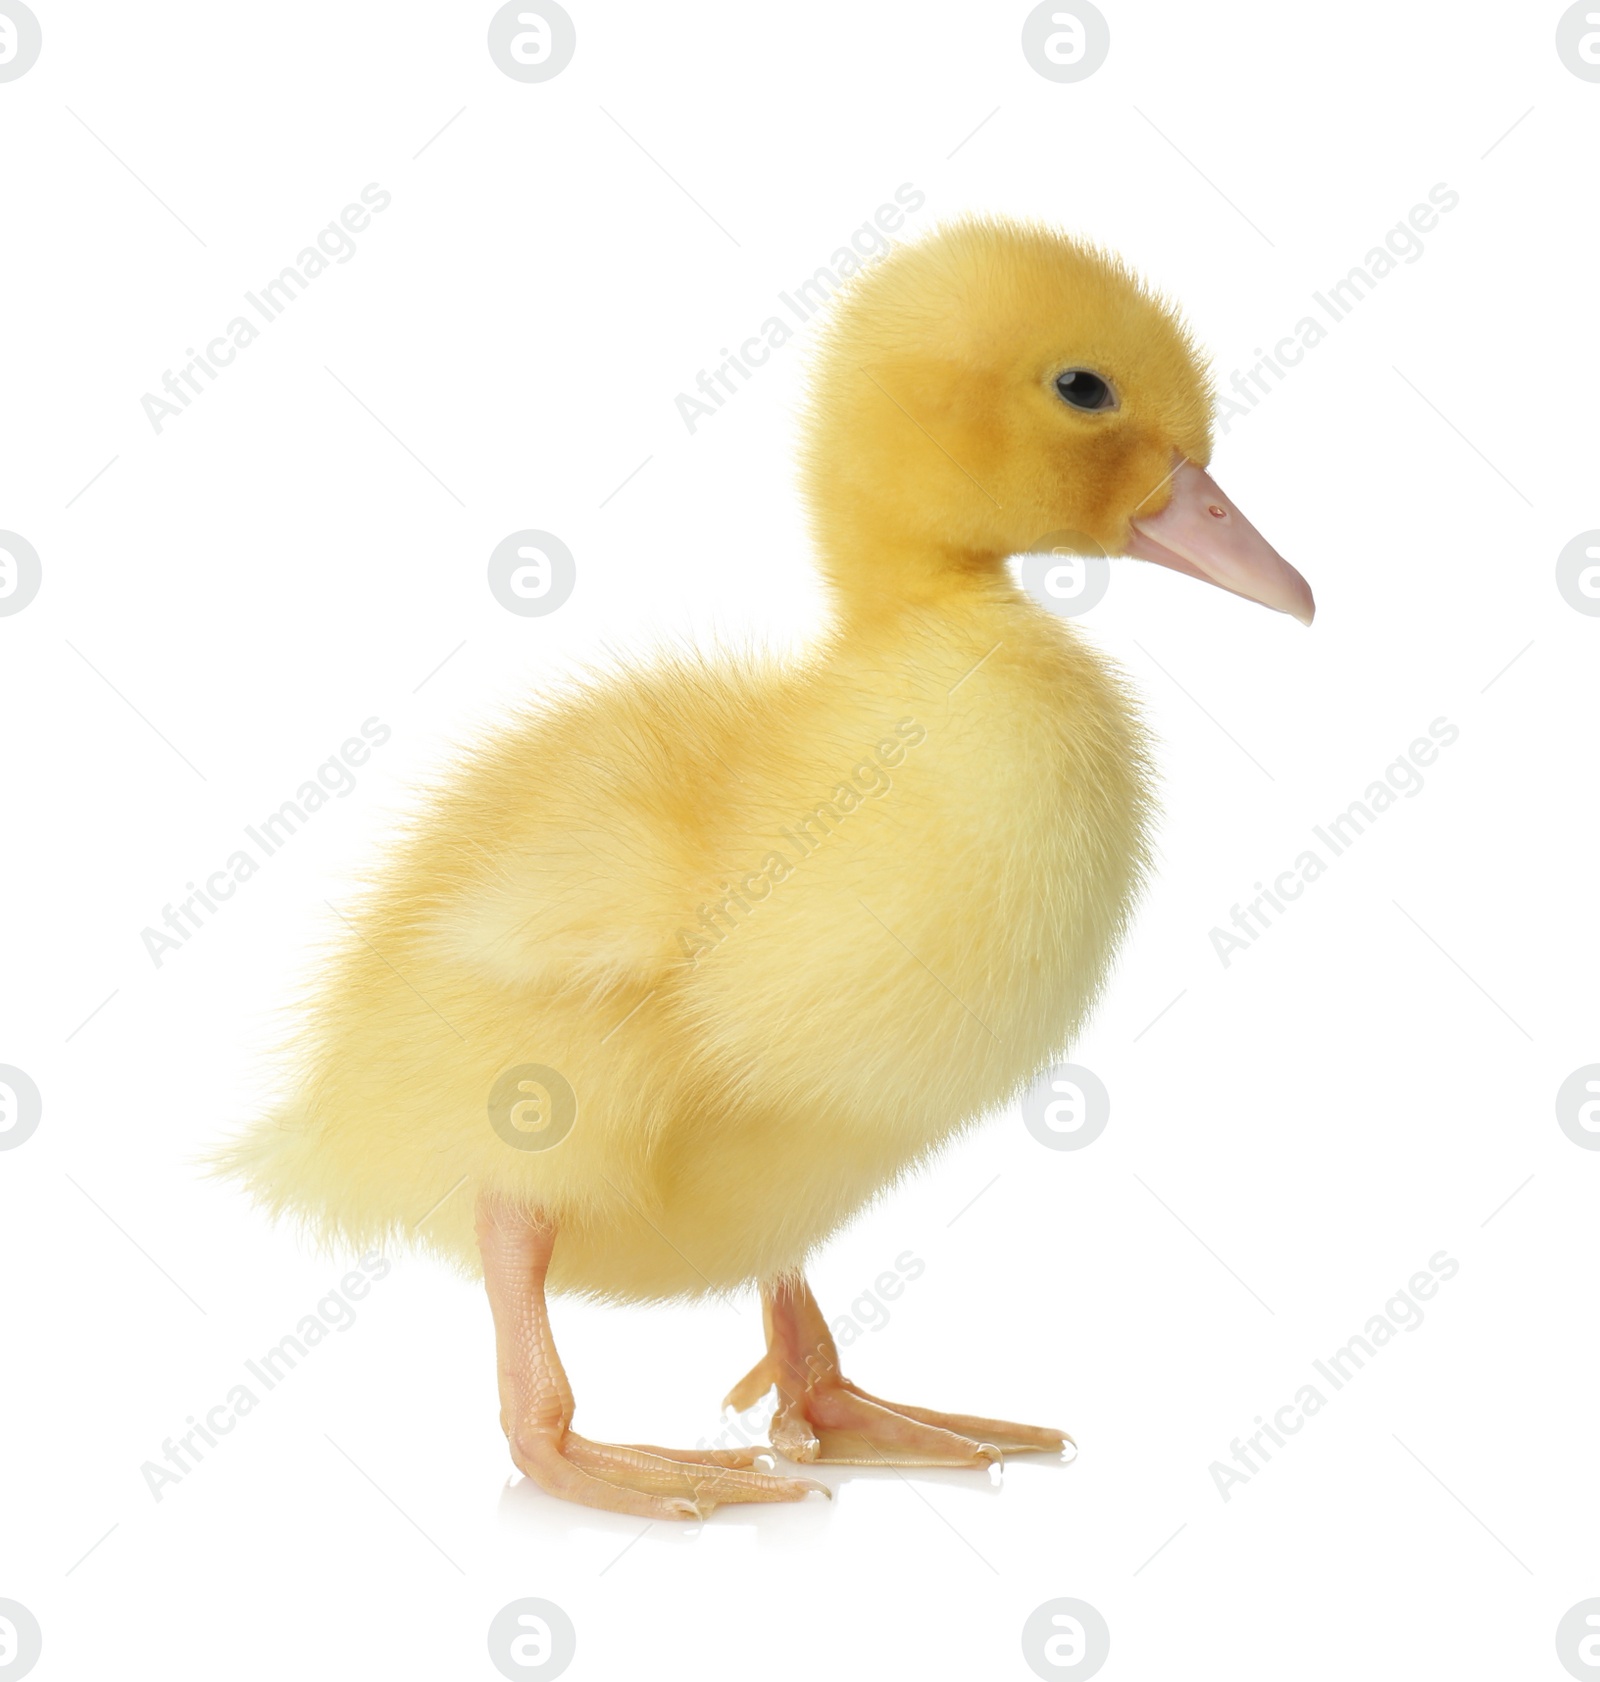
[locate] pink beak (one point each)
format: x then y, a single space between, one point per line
1201 533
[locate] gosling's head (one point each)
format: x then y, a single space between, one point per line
996 384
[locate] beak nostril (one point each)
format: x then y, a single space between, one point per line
1217 513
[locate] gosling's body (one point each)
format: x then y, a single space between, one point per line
783 929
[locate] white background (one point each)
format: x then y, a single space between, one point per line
1365 1086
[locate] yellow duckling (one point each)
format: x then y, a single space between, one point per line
678 974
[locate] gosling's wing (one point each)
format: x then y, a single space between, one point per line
571 907
575 845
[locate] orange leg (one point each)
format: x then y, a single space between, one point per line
821 1416
536 1403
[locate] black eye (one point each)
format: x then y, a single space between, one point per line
1083 390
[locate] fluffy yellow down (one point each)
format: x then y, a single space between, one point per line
784 927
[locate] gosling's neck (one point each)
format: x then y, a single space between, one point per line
878 567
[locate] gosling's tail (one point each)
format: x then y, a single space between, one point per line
278 1161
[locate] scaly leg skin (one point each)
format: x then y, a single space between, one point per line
822 1417
536 1403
